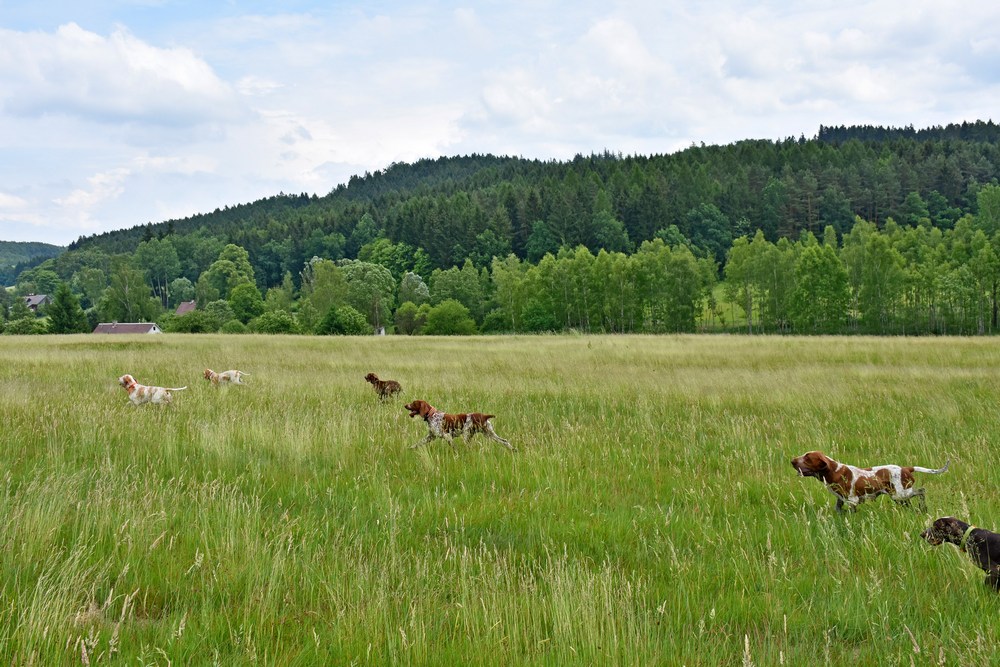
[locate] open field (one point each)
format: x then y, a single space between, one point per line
651 515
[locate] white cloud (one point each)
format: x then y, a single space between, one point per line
12 202
108 79
75 210
258 86
518 97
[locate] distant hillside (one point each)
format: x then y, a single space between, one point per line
856 230
477 206
16 256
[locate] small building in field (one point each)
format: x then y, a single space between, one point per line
185 307
127 328
35 301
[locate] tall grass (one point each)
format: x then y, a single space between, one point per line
650 517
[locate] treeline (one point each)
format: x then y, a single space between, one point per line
481 206
15 256
897 279
600 243
977 131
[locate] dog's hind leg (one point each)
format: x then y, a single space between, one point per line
908 495
493 435
922 502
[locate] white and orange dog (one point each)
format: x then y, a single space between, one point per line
140 393
232 377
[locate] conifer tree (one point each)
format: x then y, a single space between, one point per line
65 313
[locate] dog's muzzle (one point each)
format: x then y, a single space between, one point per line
929 537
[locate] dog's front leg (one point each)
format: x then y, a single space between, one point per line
426 439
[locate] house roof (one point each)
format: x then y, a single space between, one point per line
36 299
126 328
185 307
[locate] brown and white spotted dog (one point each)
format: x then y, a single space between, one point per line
444 425
982 546
232 377
384 388
852 485
140 393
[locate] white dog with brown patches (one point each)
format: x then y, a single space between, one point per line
140 393
233 377
853 485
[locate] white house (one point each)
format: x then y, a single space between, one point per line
127 328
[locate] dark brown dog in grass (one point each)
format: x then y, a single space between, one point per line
384 388
982 546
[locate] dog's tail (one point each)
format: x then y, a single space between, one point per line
932 471
176 388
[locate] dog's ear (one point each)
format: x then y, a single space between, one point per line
948 524
817 461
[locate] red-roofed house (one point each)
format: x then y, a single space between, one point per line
34 301
185 307
127 328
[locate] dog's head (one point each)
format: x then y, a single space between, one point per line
209 373
126 381
811 464
945 529
418 407
371 377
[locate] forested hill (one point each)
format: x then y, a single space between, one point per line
479 206
15 255
978 131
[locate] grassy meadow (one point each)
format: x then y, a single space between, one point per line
651 515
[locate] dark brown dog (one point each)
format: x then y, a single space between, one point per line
982 546
443 425
384 388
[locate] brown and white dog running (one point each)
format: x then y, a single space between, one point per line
140 393
852 485
444 425
232 377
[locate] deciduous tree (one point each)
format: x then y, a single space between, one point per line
371 290
246 302
449 318
819 300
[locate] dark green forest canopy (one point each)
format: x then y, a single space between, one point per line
478 206
16 256
858 230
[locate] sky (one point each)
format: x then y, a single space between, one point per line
115 113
